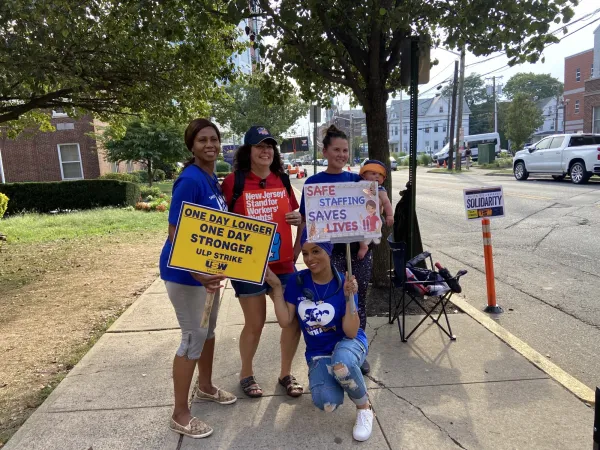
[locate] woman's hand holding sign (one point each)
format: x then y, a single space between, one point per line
293 218
210 282
350 286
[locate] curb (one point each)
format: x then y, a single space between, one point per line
576 387
499 174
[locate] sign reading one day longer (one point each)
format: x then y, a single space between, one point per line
210 241
343 212
484 202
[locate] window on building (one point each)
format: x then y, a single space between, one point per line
405 129
444 129
596 120
427 145
441 109
578 74
115 167
576 106
58 113
435 128
435 145
405 147
130 167
426 129
396 130
552 126
70 161
65 126
592 71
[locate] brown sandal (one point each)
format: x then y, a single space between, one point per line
291 385
251 387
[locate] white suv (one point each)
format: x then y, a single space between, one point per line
576 155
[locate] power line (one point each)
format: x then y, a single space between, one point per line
553 32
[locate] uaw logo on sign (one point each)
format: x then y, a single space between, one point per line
263 131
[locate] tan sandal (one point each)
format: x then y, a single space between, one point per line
196 429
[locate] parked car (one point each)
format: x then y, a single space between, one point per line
393 163
324 162
576 155
294 169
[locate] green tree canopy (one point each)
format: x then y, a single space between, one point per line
110 56
475 92
522 119
149 143
327 46
535 86
246 103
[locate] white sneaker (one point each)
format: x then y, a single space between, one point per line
364 424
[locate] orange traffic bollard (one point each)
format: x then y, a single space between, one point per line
445 164
491 307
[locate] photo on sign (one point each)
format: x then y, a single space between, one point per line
210 242
342 212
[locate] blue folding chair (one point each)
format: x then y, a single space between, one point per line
423 282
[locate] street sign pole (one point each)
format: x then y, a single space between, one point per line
315 117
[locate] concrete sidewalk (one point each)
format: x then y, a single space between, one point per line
429 393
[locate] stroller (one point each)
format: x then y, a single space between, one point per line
419 281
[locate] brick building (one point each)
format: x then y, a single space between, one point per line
69 153
578 69
591 108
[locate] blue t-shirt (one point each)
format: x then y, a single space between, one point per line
193 185
324 177
320 320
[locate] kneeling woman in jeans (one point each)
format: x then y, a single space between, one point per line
336 346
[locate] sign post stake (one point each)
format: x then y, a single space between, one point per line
349 266
210 298
491 307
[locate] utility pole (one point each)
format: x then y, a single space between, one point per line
401 124
453 118
495 105
461 97
351 138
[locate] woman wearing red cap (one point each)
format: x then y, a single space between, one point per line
258 179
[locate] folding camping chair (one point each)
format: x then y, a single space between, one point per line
418 283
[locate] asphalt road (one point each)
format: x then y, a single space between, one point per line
546 258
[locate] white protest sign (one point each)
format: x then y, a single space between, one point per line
484 202
342 212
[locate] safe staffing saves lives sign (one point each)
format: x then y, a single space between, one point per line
484 202
342 212
209 241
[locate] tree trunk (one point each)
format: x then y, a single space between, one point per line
149 169
377 134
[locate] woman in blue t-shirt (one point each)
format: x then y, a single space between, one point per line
325 304
335 150
187 291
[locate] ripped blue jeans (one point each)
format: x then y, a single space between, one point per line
327 384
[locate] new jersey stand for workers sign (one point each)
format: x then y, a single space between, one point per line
210 241
484 202
342 212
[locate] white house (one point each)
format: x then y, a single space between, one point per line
432 124
553 113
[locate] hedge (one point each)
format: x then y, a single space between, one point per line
64 195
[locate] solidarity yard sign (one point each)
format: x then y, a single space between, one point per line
210 241
342 212
485 202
